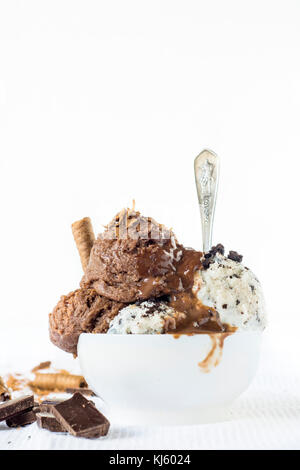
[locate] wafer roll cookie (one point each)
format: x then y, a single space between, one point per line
57 381
84 238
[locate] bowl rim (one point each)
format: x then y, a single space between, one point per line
175 335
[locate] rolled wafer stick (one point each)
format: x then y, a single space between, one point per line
84 238
57 381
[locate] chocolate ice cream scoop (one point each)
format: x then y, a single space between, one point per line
136 258
81 311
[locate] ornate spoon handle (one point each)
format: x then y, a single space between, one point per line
206 167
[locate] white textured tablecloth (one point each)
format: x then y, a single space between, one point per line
267 416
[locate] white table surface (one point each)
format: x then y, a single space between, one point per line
266 416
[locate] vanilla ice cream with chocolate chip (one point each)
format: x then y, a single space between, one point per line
150 317
231 289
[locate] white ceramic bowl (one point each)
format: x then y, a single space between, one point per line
156 379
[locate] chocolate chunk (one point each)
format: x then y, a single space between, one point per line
13 407
83 391
224 306
219 248
234 256
206 263
48 421
80 417
46 405
21 419
238 302
209 256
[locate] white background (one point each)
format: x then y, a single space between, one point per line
105 101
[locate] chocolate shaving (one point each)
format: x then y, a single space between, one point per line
42 365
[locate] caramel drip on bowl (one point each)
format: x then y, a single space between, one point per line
214 356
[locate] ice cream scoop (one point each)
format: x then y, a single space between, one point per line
149 317
136 258
81 311
232 290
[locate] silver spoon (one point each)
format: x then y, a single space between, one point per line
206 167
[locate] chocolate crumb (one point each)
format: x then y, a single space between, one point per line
234 256
206 263
224 306
42 365
219 248
238 302
209 256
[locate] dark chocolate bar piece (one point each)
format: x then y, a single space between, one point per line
13 407
46 405
21 419
80 417
84 391
48 421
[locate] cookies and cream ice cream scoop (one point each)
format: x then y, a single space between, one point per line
232 289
